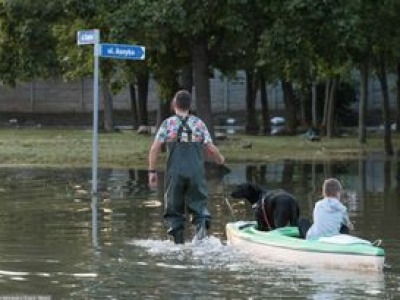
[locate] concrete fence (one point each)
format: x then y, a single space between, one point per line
56 95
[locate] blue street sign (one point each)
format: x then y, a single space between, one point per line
88 37
120 51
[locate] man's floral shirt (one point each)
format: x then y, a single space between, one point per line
168 131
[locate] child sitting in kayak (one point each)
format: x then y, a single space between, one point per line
330 215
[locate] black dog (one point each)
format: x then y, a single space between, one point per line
272 208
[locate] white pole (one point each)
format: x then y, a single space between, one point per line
95 239
95 114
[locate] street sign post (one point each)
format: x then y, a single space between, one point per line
116 51
92 37
95 120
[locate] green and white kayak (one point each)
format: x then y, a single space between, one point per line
284 245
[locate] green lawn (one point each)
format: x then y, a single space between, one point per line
127 149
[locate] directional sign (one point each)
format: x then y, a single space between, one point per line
120 51
87 37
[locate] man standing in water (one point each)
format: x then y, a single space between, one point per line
187 138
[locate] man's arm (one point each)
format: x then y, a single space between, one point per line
213 152
154 152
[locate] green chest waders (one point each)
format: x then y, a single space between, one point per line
185 183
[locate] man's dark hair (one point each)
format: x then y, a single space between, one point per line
183 100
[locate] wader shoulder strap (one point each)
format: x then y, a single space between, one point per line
184 132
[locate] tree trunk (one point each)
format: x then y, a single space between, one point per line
163 111
362 132
187 78
314 105
168 86
290 105
305 103
134 110
264 105
398 98
385 108
202 83
143 91
108 124
251 126
330 125
326 106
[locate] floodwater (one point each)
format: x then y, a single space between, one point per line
57 242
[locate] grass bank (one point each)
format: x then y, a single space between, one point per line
127 149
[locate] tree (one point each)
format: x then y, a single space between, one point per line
385 48
290 45
364 71
383 45
156 25
308 43
130 25
381 73
27 43
118 22
373 47
190 35
244 26
204 26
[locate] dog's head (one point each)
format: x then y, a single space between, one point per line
248 191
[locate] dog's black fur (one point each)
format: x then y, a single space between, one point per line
280 207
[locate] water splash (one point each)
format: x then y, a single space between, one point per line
209 252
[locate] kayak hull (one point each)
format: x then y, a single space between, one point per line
283 246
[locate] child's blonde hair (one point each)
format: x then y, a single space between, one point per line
331 187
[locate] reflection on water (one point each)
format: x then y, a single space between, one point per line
280 280
56 240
